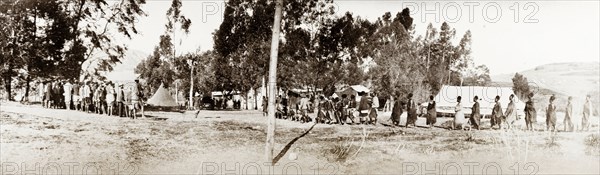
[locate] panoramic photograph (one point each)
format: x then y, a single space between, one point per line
299 87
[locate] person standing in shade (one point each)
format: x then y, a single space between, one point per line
304 104
110 98
49 97
137 96
374 107
510 114
364 107
86 96
120 101
68 88
58 95
459 114
396 111
41 93
475 114
84 92
568 125
587 112
551 115
411 107
265 104
497 113
530 113
76 98
102 98
352 106
96 97
431 112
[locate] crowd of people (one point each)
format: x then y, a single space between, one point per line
334 110
105 98
347 110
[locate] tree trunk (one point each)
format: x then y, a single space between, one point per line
7 86
273 83
27 87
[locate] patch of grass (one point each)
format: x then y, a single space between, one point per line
234 133
231 125
593 140
592 143
339 151
417 137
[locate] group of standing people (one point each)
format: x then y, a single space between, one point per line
104 98
509 117
551 120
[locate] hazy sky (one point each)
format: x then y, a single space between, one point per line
508 36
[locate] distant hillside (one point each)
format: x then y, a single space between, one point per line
132 59
575 79
122 71
563 80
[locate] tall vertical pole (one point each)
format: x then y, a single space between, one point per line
191 105
273 82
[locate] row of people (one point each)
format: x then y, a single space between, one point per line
339 111
507 119
104 98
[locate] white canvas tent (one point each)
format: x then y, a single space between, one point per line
353 90
446 98
162 98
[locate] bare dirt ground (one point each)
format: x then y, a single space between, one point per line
49 141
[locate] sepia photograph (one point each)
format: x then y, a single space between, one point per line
277 87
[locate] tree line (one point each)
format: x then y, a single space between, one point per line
319 50
51 39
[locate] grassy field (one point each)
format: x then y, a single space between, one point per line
220 142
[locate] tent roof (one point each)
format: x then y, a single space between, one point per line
353 89
360 88
162 98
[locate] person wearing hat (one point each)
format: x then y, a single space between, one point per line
137 96
551 115
304 105
475 114
364 107
530 113
568 125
